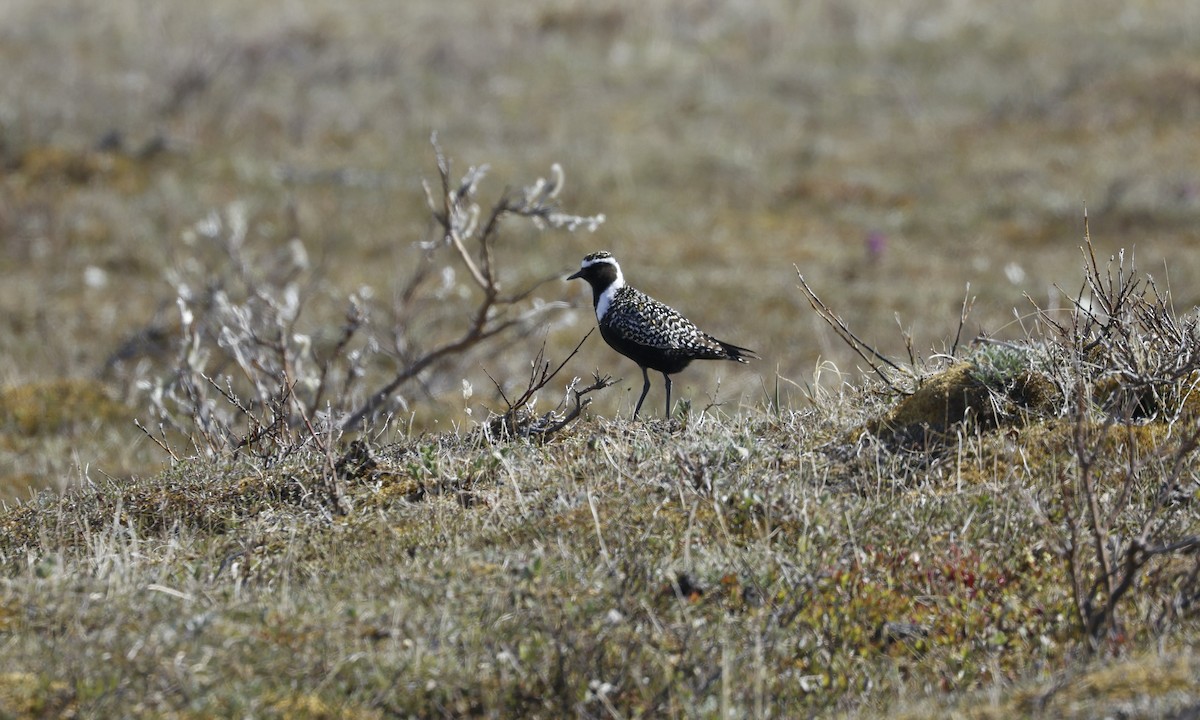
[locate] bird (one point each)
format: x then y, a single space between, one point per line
650 333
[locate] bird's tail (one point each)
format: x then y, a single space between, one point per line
741 354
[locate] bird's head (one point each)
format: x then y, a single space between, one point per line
600 269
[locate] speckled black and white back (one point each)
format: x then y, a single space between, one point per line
635 318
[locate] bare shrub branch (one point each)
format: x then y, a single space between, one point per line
878 362
519 420
456 213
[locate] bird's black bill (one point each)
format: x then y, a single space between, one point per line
577 274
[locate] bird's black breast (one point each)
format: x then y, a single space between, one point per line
667 360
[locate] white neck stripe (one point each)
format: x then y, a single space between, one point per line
606 297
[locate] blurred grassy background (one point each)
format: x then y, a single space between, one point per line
893 151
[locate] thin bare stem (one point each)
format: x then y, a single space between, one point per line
874 359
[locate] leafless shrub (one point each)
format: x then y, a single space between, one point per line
1122 511
456 212
519 420
246 377
1132 446
1123 338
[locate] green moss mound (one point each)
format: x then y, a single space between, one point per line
962 394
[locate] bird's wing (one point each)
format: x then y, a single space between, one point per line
662 327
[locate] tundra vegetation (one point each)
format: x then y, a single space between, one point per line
298 419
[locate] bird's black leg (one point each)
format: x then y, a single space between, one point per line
645 389
668 379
